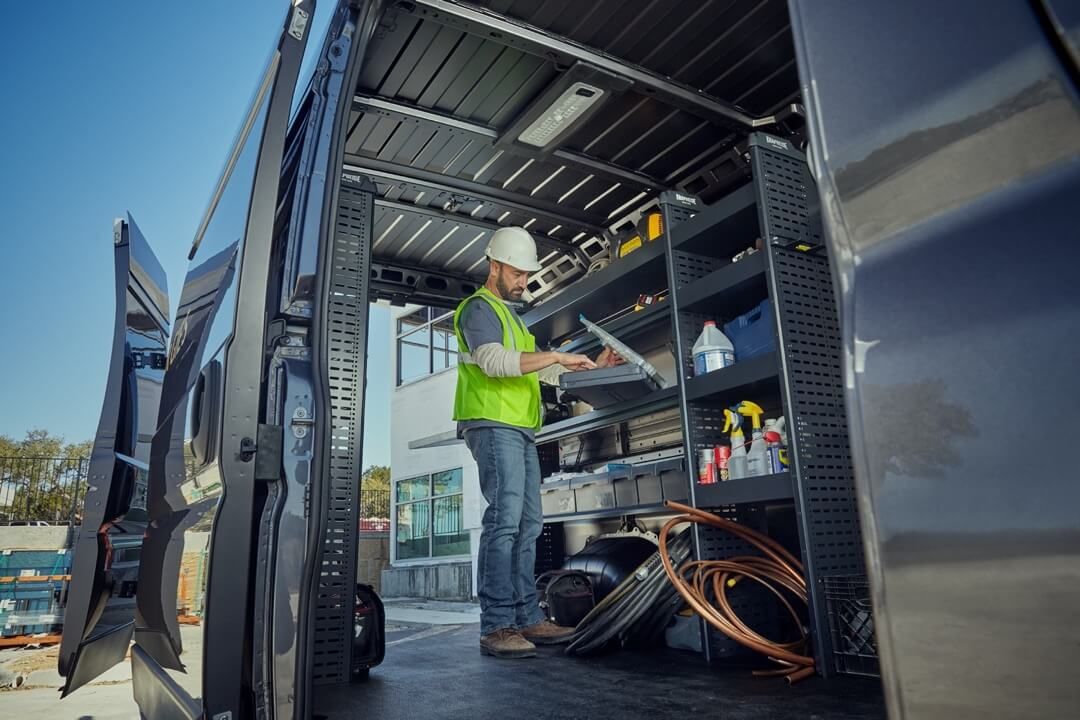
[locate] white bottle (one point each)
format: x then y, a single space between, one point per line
757 458
712 350
737 461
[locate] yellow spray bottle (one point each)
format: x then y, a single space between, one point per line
757 458
737 467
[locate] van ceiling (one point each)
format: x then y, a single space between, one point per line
446 87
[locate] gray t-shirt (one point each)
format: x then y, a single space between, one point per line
481 326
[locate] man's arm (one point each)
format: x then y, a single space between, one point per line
483 331
536 361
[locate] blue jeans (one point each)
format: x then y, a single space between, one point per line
510 481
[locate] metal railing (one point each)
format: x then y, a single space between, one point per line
50 490
374 511
42 489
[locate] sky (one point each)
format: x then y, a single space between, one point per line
114 107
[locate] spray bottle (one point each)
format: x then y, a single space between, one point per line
757 458
737 466
776 441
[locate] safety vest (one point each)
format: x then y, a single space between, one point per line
509 400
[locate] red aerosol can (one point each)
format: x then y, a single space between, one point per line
722 455
706 467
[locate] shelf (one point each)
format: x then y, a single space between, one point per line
609 513
722 229
603 293
763 488
653 402
625 328
637 490
734 288
741 381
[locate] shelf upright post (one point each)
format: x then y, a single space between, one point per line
811 381
676 208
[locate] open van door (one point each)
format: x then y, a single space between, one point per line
100 615
211 405
205 454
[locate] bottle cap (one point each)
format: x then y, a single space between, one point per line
710 323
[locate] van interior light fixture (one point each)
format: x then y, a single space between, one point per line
563 113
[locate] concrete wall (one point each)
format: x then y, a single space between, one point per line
35 538
421 409
372 557
445 581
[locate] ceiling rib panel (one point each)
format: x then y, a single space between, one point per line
454 183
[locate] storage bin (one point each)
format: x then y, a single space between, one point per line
752 332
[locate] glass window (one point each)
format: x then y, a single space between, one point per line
429 517
446 483
426 343
447 535
413 320
415 489
412 530
414 361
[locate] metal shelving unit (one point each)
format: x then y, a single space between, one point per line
627 326
766 488
732 384
612 415
599 295
775 211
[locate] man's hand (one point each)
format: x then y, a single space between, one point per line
608 358
573 361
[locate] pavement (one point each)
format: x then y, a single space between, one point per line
109 697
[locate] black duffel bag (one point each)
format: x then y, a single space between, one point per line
566 596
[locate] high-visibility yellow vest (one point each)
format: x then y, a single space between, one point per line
510 400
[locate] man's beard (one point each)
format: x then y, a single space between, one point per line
505 292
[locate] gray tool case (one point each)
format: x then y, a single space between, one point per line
608 386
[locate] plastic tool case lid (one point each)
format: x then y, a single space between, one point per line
608 386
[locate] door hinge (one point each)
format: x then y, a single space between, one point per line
301 422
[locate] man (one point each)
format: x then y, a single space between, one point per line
498 409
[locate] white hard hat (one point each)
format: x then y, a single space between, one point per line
515 247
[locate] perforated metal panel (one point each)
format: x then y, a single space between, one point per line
787 191
800 284
347 349
550 549
751 602
810 333
690 267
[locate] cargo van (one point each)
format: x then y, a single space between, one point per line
848 184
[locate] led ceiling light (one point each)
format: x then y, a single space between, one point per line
564 112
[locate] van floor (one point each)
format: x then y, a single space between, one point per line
438 673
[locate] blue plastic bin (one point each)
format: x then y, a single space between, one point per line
752 332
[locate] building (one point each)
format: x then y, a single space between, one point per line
436 501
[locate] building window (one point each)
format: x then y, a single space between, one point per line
426 343
429 517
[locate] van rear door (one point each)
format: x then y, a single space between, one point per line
100 615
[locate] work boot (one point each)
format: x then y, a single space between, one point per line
506 643
547 633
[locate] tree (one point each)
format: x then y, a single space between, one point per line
375 492
41 476
376 477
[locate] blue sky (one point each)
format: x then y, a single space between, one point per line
112 107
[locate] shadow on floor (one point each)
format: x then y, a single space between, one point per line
438 673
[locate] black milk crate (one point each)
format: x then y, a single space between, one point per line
851 622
